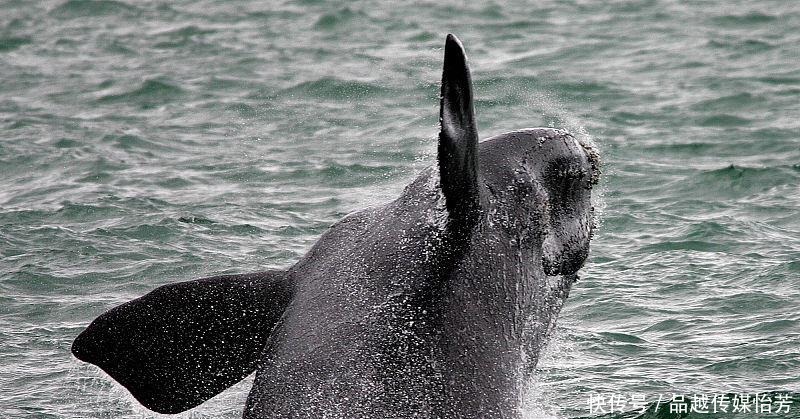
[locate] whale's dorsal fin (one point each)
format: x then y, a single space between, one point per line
184 343
458 137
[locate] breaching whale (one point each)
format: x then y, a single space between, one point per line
434 305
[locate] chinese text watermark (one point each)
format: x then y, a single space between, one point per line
696 403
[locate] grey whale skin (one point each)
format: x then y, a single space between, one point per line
434 305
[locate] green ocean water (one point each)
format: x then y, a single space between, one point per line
143 143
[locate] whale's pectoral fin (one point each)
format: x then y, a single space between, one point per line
184 343
458 138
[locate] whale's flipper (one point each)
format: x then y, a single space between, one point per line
184 343
458 138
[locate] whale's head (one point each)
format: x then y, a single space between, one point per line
536 184
539 187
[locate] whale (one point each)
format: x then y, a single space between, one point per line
434 305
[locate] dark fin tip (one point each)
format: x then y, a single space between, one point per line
453 44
